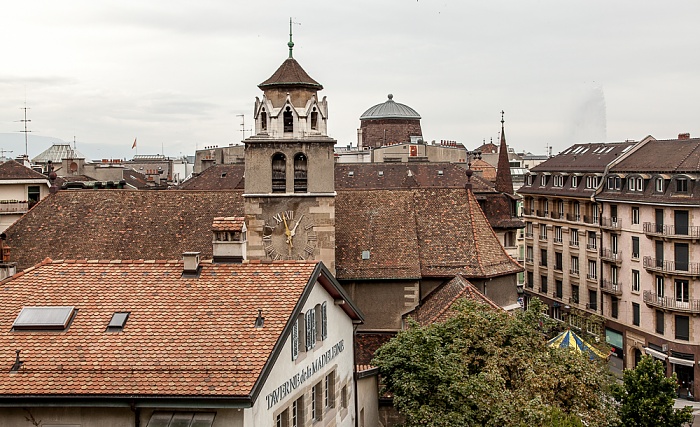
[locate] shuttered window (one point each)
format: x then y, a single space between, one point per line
324 322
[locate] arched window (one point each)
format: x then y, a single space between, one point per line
263 120
300 173
288 120
279 173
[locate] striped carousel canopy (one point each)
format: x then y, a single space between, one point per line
568 339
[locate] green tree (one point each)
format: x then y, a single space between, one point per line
489 368
646 397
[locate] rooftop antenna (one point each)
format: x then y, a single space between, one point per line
26 131
243 129
3 151
291 43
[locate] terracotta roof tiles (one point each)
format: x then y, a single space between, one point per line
11 170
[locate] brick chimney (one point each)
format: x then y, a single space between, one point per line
683 136
230 240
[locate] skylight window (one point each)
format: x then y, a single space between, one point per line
118 321
52 317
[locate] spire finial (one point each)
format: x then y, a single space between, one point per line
502 121
291 43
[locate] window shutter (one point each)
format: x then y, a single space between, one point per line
324 322
313 328
309 325
295 340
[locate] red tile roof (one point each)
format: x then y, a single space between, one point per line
217 177
14 170
184 336
231 223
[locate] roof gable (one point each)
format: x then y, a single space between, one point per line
12 170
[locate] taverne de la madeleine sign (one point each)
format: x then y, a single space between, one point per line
297 380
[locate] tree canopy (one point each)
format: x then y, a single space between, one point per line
487 367
646 397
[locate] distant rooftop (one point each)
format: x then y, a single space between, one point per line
390 110
56 153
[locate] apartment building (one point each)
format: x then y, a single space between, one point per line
563 256
650 277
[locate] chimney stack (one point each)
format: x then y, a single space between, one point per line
230 240
683 136
191 260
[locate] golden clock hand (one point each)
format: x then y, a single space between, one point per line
287 232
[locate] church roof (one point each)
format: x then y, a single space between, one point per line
390 110
290 73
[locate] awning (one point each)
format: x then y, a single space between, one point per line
654 353
678 361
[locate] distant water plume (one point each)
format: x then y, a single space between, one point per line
589 122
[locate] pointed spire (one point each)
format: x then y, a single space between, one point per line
504 180
291 43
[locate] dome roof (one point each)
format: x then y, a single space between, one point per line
390 110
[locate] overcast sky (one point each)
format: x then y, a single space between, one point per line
176 74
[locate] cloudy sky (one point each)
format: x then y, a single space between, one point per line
177 74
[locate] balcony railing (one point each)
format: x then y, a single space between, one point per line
558 240
573 243
13 206
610 256
611 223
543 237
589 219
573 272
541 213
573 217
556 294
528 235
529 260
592 277
556 215
670 303
527 211
685 268
591 246
543 289
611 287
672 231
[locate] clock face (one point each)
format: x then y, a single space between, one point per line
288 235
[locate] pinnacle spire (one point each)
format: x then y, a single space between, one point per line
504 180
291 43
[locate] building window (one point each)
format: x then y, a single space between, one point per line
528 229
592 240
263 121
530 179
577 211
635 314
558 181
543 284
593 300
558 287
659 185
683 328
659 322
321 322
558 236
613 243
529 254
279 173
300 173
574 265
543 232
613 183
681 185
288 119
509 239
681 292
316 396
635 281
574 181
543 180
329 391
310 329
635 247
574 293
592 269
543 257
614 303
635 215
344 397
573 241
33 194
298 412
659 286
558 261
530 279
282 419
314 119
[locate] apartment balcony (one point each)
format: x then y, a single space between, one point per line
542 238
528 211
589 219
557 215
592 277
670 303
573 217
558 241
574 272
610 287
529 260
573 243
608 255
691 269
13 207
688 232
540 213
591 246
610 223
528 235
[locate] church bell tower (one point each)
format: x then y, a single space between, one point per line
289 170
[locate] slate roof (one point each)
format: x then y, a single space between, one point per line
184 336
217 177
504 181
670 156
289 74
12 170
437 306
120 224
592 157
427 232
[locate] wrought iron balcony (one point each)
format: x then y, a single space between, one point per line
672 231
611 287
610 256
610 223
557 215
574 272
528 211
573 217
589 219
591 246
529 260
573 243
592 277
685 268
670 303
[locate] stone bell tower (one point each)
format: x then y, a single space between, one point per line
289 170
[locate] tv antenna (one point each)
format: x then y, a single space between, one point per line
3 151
243 129
25 131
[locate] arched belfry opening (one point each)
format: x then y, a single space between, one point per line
300 173
288 118
263 120
314 119
279 173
